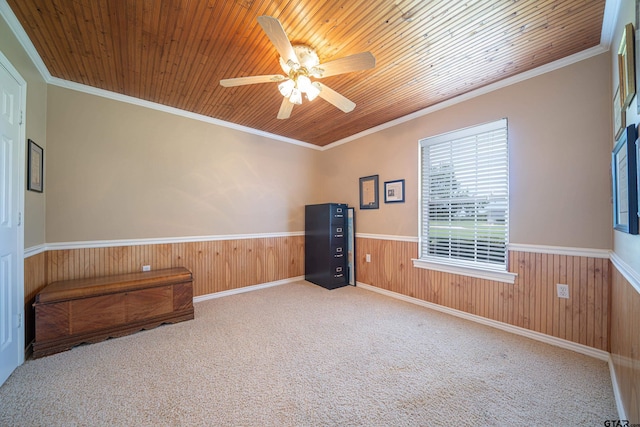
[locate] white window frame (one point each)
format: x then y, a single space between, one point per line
489 271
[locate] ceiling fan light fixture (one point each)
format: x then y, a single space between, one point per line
293 65
312 92
304 83
316 72
296 96
286 87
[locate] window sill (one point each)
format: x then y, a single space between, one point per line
498 276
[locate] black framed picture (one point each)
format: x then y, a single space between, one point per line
369 198
624 177
394 191
35 162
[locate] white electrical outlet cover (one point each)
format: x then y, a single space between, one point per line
563 290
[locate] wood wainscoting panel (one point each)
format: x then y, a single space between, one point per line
531 302
68 264
35 279
217 265
625 343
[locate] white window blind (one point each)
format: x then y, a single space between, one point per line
465 197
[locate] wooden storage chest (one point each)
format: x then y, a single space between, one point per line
72 312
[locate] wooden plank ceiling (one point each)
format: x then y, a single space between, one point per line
175 52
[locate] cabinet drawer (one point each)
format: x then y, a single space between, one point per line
338 273
338 252
337 231
338 214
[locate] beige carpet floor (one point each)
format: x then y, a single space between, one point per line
299 355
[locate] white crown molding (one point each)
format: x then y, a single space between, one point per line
577 57
611 12
560 250
26 43
34 250
21 35
538 336
246 289
627 271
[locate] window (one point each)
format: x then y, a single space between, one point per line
465 202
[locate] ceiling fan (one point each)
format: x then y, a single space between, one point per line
300 63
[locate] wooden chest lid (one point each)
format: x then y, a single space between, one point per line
89 287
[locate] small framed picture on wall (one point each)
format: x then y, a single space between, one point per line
394 191
35 162
369 192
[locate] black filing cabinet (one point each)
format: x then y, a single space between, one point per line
325 244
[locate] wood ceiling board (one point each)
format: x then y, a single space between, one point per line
175 52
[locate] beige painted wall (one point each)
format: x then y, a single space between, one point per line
625 245
34 215
559 142
120 171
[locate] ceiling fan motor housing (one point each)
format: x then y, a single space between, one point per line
307 59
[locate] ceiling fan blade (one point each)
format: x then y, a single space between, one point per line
241 81
335 98
358 62
278 37
285 109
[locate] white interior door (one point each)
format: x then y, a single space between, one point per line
11 230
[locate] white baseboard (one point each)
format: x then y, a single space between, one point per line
246 289
616 390
558 342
